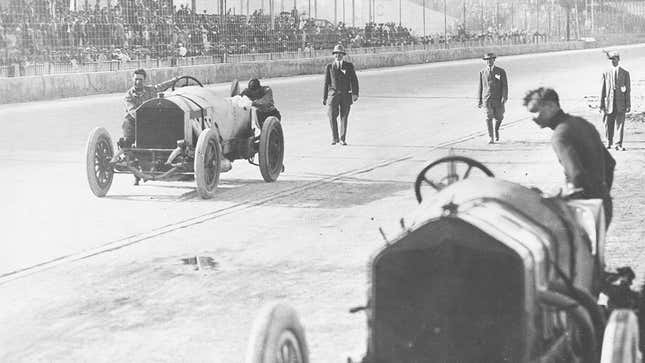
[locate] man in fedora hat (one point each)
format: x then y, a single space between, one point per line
615 100
342 84
492 94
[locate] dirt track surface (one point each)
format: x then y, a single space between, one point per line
113 286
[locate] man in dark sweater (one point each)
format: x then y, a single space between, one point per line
588 167
262 100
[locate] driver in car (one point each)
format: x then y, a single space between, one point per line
262 100
138 94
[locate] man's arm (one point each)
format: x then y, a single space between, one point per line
130 104
628 98
266 101
504 80
327 83
480 90
164 85
353 81
603 93
568 157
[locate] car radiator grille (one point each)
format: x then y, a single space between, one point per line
159 128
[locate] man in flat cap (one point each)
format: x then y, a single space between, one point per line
492 94
615 100
588 166
341 84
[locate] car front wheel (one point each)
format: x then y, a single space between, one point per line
208 158
99 152
271 151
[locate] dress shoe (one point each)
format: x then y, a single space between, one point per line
609 146
491 141
620 147
334 142
343 142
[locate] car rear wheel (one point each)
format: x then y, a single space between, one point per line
99 152
208 158
277 337
620 341
271 152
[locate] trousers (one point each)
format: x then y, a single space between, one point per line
339 103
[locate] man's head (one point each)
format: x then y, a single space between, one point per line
139 78
545 103
614 58
489 58
339 52
254 84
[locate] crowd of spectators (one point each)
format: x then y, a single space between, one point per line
47 31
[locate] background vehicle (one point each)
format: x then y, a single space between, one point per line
188 131
484 270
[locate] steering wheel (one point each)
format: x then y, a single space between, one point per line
186 83
452 175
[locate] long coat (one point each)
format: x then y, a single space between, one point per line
341 80
493 85
616 89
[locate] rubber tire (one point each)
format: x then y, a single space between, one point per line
620 342
97 135
275 321
270 124
208 137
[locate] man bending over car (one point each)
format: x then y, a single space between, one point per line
262 100
138 94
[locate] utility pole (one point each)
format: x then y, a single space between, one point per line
353 14
424 18
344 21
464 3
400 10
445 25
335 12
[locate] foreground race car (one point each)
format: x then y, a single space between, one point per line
189 131
484 270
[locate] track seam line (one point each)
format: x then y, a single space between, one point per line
240 206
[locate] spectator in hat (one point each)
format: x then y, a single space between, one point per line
492 94
615 100
341 84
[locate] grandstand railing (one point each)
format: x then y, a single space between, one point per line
51 68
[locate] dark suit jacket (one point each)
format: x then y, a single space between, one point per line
493 85
615 88
341 80
586 162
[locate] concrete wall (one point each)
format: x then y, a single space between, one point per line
36 88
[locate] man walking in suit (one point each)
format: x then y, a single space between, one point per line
615 100
492 94
342 85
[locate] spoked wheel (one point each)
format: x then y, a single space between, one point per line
277 337
454 165
208 158
620 342
186 78
99 153
271 152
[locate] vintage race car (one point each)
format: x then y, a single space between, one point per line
188 131
484 270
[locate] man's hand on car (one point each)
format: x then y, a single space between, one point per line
354 98
324 102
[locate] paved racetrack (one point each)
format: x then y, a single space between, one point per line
83 278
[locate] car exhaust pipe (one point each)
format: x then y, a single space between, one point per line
580 315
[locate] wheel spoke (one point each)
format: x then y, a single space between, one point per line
467 173
431 183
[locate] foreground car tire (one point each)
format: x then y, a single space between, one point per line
277 337
271 151
99 152
620 342
208 158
